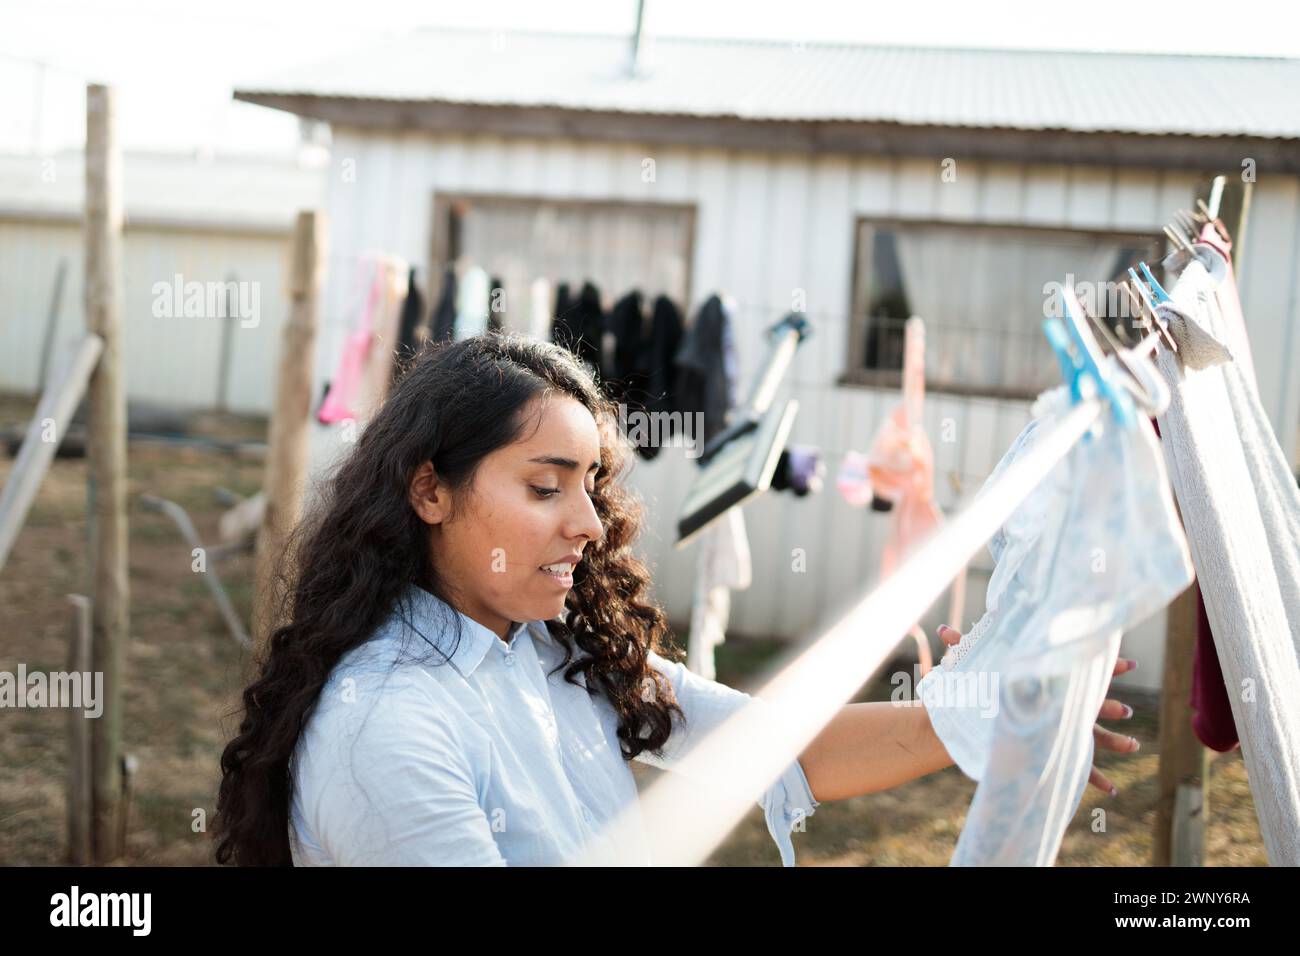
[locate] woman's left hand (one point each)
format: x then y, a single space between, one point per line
1110 710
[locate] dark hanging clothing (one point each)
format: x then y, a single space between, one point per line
580 326
409 324
666 330
563 329
799 470
706 367
1212 719
442 323
496 301
627 375
659 368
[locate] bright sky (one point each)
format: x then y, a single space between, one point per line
176 61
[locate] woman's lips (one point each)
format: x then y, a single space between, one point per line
563 580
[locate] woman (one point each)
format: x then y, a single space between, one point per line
471 657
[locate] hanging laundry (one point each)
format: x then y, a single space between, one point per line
380 361
580 324
723 565
854 481
1212 721
626 375
408 334
496 305
357 370
897 476
539 313
708 366
666 330
1229 302
564 328
442 322
1095 549
337 406
1211 709
472 304
800 470
1241 509
661 371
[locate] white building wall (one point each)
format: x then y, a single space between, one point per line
769 224
171 360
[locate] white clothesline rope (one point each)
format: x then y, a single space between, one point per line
685 822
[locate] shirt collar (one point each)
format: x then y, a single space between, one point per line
436 619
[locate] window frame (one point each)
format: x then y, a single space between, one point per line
444 238
855 374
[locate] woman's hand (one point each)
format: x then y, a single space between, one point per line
1110 710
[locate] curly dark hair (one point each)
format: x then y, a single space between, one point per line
351 561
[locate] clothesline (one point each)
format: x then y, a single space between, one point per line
766 312
753 746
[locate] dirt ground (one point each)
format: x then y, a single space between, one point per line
183 676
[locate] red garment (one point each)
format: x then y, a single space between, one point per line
1212 720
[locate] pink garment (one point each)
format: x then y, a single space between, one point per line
900 469
852 480
338 404
900 465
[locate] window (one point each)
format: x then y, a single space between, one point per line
619 246
983 291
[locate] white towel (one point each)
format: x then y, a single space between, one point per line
1242 515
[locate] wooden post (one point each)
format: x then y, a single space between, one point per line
106 454
80 769
1184 762
1183 798
286 467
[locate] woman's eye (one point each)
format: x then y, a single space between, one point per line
545 492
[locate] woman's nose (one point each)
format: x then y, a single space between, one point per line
586 522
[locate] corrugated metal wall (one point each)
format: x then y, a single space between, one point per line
772 224
168 360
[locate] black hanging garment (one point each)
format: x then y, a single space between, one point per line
660 368
496 305
627 375
442 323
666 331
408 325
579 326
706 363
563 331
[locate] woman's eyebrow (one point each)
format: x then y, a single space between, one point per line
568 463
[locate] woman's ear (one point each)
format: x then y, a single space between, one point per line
428 497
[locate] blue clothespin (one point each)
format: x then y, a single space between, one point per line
1078 355
1160 294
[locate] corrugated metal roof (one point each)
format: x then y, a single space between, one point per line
1030 90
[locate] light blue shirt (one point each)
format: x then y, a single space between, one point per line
487 759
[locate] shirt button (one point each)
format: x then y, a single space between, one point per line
510 659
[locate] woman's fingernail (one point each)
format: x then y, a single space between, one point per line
940 629
1132 665
1137 744
1128 711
